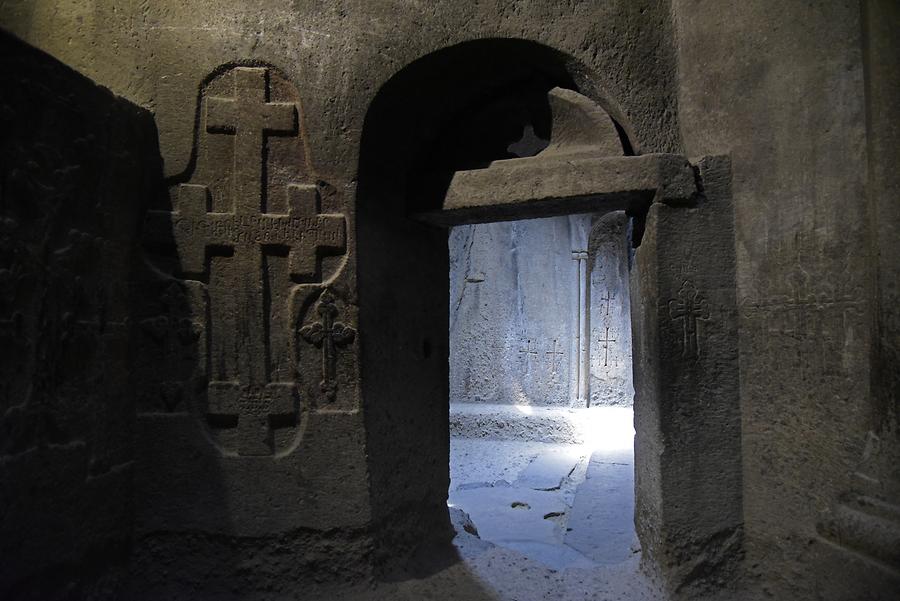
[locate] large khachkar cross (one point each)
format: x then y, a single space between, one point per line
246 399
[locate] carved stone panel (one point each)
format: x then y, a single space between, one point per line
514 311
610 311
244 230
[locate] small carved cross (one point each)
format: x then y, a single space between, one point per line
328 335
607 299
554 354
606 341
689 307
528 350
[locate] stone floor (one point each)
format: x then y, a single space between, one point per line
537 521
562 506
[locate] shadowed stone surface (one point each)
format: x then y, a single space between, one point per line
765 301
76 166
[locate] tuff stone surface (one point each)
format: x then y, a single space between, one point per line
517 292
514 311
245 306
542 186
391 102
76 165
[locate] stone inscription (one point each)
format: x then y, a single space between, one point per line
302 229
689 307
243 229
257 410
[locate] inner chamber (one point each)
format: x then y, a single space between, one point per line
541 420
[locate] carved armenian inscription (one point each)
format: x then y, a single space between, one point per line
251 393
303 230
319 230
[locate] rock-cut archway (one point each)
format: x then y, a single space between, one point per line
412 182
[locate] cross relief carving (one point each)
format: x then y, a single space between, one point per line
328 335
528 350
605 342
689 307
606 299
546 356
243 396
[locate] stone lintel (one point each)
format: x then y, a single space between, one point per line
546 186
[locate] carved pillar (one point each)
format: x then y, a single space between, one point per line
582 331
687 414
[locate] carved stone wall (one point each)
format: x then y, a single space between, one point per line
800 95
246 340
76 165
609 304
517 292
514 302
811 228
688 478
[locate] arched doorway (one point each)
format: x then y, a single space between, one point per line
411 182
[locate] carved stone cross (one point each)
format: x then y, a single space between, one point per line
529 350
231 251
606 341
689 307
249 117
328 334
254 410
554 354
607 298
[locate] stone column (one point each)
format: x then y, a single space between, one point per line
582 336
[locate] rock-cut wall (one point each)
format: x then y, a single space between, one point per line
75 165
522 294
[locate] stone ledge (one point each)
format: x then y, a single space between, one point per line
542 186
605 427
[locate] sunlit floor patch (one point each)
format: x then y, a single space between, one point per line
561 505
